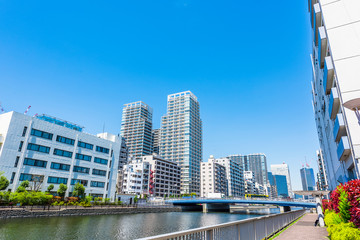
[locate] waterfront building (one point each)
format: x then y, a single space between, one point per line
136 128
281 185
253 162
234 176
335 60
164 176
283 169
322 177
249 182
272 191
181 138
213 178
156 141
307 178
135 177
46 150
260 189
124 153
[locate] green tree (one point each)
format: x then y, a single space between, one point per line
4 182
25 184
62 190
79 190
50 187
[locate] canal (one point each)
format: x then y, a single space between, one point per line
129 226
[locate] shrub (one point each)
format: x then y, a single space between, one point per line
332 218
79 190
344 205
50 187
4 182
62 190
344 231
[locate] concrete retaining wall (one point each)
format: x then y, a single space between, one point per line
23 213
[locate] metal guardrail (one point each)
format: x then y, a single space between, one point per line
240 198
249 229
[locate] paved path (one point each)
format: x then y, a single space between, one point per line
304 230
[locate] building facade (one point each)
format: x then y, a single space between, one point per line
272 191
181 138
322 177
234 176
249 182
156 141
255 163
136 129
135 178
281 185
164 176
213 179
307 179
46 150
335 59
283 169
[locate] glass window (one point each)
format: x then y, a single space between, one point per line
102 149
97 184
38 148
12 178
17 161
24 131
101 160
20 146
35 162
62 153
99 172
57 180
81 169
85 145
30 177
83 157
83 182
42 134
60 166
65 140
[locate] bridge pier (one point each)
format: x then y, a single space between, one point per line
207 207
284 209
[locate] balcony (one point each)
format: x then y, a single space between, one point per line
339 127
328 75
316 21
322 46
334 103
343 150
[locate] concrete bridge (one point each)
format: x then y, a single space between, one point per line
223 205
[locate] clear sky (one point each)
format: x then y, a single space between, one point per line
246 61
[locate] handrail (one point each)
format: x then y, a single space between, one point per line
250 229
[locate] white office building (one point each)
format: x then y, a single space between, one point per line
135 177
181 138
234 176
46 150
136 129
249 182
335 61
164 176
283 169
213 178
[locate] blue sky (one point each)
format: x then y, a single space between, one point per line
248 63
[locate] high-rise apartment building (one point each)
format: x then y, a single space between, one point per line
156 141
322 178
281 185
255 163
213 178
136 129
335 61
46 150
282 169
307 179
181 138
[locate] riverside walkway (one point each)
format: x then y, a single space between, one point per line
304 229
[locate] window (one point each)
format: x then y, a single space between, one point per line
17 161
38 148
83 157
35 162
85 145
21 145
99 172
38 133
60 166
101 161
97 184
62 153
81 169
12 178
83 182
57 180
102 149
24 131
30 177
65 140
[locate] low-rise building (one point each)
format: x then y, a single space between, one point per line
213 178
135 178
46 150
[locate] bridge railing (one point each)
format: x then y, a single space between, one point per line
249 229
240 198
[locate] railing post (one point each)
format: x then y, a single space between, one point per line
209 234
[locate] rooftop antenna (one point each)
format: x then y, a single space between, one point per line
307 165
26 111
36 115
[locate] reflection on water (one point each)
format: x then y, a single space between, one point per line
130 226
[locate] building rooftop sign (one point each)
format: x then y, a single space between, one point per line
60 122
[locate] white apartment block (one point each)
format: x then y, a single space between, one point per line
181 138
335 61
164 176
135 177
249 182
283 169
49 150
136 128
213 178
234 176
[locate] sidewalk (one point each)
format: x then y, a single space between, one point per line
304 230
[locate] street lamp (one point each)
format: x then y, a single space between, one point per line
354 105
